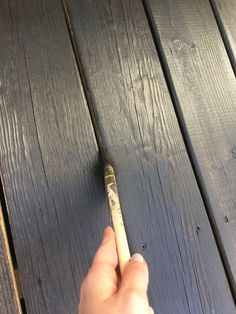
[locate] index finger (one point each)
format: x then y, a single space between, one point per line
107 254
102 279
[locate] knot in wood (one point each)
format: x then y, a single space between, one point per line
233 152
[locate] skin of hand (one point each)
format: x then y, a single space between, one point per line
104 292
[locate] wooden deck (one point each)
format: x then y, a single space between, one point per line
156 79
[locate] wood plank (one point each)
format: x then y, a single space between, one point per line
49 157
163 210
9 300
225 13
204 88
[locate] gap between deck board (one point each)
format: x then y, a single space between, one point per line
87 95
224 34
11 251
7 247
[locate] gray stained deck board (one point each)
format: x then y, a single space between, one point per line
161 202
225 13
9 299
204 88
49 158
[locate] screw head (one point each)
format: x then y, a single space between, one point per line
39 282
144 246
226 219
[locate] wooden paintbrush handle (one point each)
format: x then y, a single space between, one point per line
117 219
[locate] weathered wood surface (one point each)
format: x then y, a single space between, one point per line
49 157
225 13
204 87
161 202
9 299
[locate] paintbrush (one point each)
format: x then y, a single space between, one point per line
116 215
111 188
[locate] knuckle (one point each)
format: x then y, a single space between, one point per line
132 296
132 299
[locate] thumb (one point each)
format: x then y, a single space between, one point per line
135 276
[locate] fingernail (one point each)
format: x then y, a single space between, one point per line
137 258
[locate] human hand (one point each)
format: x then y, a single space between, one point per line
104 292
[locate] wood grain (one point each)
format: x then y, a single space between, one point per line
225 13
49 158
204 87
164 214
9 300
